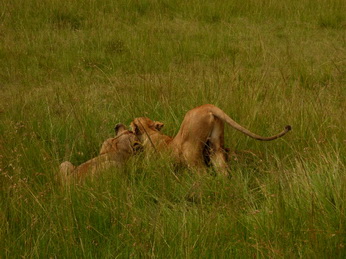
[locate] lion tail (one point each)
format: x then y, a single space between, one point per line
217 112
65 170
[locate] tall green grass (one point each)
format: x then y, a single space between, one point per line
71 70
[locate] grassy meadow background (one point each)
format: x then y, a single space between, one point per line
70 70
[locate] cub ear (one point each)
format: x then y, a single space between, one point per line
158 125
134 127
119 128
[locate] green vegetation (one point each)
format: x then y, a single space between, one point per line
70 70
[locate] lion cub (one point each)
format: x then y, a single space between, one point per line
200 138
114 153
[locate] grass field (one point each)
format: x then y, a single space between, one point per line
70 70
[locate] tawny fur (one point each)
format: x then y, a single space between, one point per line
114 152
201 133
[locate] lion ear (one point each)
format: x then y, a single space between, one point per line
135 128
159 125
119 128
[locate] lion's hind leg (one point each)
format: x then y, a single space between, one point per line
194 158
217 152
219 161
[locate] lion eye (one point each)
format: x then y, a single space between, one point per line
137 145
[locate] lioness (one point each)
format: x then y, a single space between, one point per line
201 134
114 153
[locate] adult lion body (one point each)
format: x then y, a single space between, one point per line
114 153
201 129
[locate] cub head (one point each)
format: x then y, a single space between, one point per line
124 140
143 125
